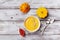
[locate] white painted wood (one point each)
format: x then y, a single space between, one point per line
10 37
18 15
33 3
12 28
9 26
35 37
53 29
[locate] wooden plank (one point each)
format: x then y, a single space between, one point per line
9 37
46 3
18 15
53 29
45 37
30 37
13 27
33 3
10 26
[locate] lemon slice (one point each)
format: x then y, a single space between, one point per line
42 12
32 24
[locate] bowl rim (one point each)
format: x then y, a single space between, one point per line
36 28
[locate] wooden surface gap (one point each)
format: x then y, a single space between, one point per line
4 8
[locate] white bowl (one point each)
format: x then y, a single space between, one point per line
36 28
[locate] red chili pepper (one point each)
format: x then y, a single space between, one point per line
22 32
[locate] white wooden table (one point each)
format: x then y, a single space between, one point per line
9 14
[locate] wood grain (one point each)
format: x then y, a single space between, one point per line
18 15
33 3
11 19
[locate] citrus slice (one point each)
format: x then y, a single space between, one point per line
24 7
42 12
32 23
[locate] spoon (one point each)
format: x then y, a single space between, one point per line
49 21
